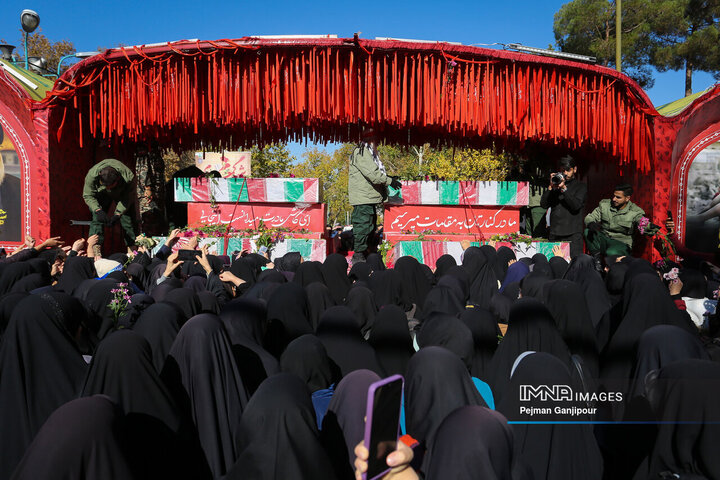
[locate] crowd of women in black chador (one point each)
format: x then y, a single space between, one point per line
246 369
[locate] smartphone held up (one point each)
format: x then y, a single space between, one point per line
382 423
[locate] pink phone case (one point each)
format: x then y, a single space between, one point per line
369 413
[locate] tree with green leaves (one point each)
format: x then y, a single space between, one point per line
332 170
665 34
687 36
587 27
271 159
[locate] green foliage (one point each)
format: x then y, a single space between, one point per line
687 35
41 46
666 34
468 164
587 27
332 170
271 159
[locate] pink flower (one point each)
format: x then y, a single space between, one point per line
672 275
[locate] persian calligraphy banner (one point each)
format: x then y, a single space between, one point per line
243 216
451 219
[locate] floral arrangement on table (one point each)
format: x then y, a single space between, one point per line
422 234
514 238
660 240
221 231
120 301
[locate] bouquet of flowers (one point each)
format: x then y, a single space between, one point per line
120 301
673 275
660 240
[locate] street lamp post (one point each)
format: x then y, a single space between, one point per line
618 35
29 20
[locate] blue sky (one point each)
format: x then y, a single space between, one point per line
101 23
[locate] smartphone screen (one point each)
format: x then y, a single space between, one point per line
383 415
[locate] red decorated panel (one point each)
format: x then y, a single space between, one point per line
273 215
451 219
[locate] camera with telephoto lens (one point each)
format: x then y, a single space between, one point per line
557 178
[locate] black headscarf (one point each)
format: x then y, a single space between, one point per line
530 328
186 300
462 278
442 330
376 262
339 331
567 304
415 285
159 325
443 264
159 292
694 283
360 272
388 288
271 276
8 302
102 318
291 262
319 300
646 303
202 375
30 282
492 259
504 256
287 316
245 269
390 337
472 442
306 357
443 298
660 346
344 423
42 368
244 321
12 274
686 401
334 272
122 369
278 437
137 305
549 450
138 274
196 283
483 277
360 300
559 266
531 286
486 334
437 383
582 271
81 439
307 273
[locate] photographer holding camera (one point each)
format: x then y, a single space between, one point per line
566 198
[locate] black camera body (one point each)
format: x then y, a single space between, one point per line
557 178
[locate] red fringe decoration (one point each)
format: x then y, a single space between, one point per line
233 93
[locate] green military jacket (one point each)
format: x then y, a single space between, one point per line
616 224
367 184
93 188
